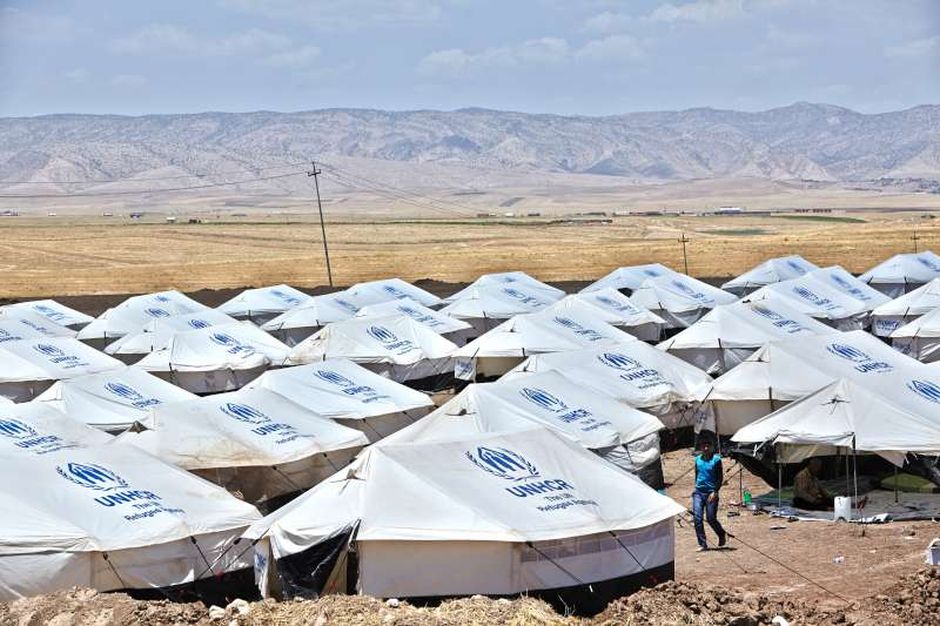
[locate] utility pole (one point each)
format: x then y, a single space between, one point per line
915 239
326 249
685 258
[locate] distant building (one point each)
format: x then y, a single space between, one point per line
729 210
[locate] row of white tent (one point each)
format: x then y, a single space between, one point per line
503 471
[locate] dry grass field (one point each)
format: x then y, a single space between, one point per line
48 256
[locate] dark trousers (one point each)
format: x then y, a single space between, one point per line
702 508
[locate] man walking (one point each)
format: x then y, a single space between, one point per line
708 478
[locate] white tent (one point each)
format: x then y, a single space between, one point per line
520 512
30 366
217 358
768 272
52 311
819 300
616 309
395 346
255 442
844 417
39 428
835 276
157 333
488 306
622 435
448 327
518 280
378 291
784 371
501 349
297 324
890 316
112 400
903 272
678 299
16 319
349 393
920 339
635 373
730 333
108 517
262 304
16 327
131 315
630 278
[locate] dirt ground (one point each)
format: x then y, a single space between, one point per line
96 255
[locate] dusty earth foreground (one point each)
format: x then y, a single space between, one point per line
881 581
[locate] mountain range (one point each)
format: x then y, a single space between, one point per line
801 142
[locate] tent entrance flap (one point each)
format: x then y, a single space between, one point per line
327 567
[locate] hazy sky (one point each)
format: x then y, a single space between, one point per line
588 57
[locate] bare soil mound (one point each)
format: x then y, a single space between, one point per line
915 599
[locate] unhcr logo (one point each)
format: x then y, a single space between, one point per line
765 312
197 323
619 361
503 463
48 350
651 272
285 297
848 352
161 298
544 399
394 291
382 335
928 264
91 476
48 311
925 389
334 378
15 429
796 266
156 312
244 413
6 335
227 341
124 391
810 296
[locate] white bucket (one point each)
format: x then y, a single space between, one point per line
933 552
842 509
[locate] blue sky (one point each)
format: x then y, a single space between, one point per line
591 57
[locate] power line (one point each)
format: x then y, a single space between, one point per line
98 181
422 201
387 194
98 194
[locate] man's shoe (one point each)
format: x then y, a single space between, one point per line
702 549
723 540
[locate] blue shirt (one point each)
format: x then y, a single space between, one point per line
706 473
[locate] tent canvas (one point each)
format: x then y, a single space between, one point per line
891 315
486 307
835 276
818 299
630 278
395 346
518 280
678 299
784 371
157 333
846 417
255 442
920 338
110 517
262 304
27 324
903 272
133 314
350 394
448 327
297 324
113 400
30 366
490 503
504 347
217 358
730 333
378 291
636 374
616 309
770 271
53 311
